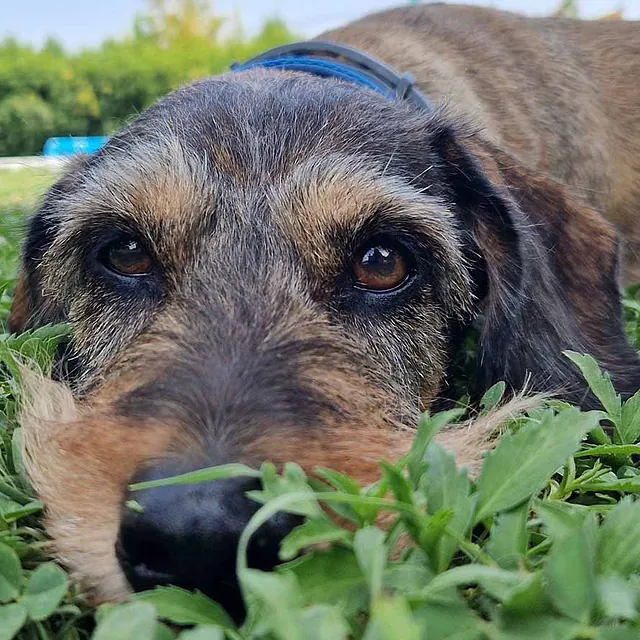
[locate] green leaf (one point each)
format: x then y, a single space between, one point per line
10 573
9 359
45 589
18 512
339 481
619 546
624 485
528 598
293 480
600 384
311 532
539 627
12 618
391 619
275 601
522 463
324 623
489 577
344 484
409 575
610 450
560 518
234 470
449 622
16 452
371 554
134 505
203 632
369 512
428 531
48 333
163 632
185 607
14 493
570 573
428 427
132 621
629 428
399 485
618 632
493 396
447 488
617 598
509 537
328 577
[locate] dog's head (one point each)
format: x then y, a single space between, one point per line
268 266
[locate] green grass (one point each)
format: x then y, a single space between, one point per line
544 545
20 190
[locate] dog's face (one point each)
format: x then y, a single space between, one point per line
267 266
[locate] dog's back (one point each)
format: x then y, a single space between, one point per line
561 95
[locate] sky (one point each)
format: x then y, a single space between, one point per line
85 23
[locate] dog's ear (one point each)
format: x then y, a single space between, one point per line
547 274
30 309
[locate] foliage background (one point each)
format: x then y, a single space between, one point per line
51 92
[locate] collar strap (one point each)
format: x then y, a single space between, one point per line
330 60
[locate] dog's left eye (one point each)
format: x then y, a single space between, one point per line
127 257
381 266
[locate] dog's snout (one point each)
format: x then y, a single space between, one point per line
187 536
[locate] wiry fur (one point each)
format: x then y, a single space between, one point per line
253 193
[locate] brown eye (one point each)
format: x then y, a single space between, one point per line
381 267
128 258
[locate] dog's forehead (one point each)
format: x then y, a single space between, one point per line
235 142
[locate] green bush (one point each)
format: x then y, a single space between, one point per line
25 120
49 92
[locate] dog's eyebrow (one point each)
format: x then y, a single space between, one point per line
343 195
156 189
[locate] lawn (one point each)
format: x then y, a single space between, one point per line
545 544
20 190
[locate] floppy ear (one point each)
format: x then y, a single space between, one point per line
549 274
30 308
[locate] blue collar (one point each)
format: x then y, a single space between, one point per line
329 60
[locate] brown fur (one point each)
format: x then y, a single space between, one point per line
561 95
254 192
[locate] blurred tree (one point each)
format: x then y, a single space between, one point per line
15 112
175 22
568 9
53 47
571 9
50 91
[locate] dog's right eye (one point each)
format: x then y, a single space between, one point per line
127 257
381 266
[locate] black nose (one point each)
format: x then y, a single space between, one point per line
187 536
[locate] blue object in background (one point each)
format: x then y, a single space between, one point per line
70 146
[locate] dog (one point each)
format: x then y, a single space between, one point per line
271 265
